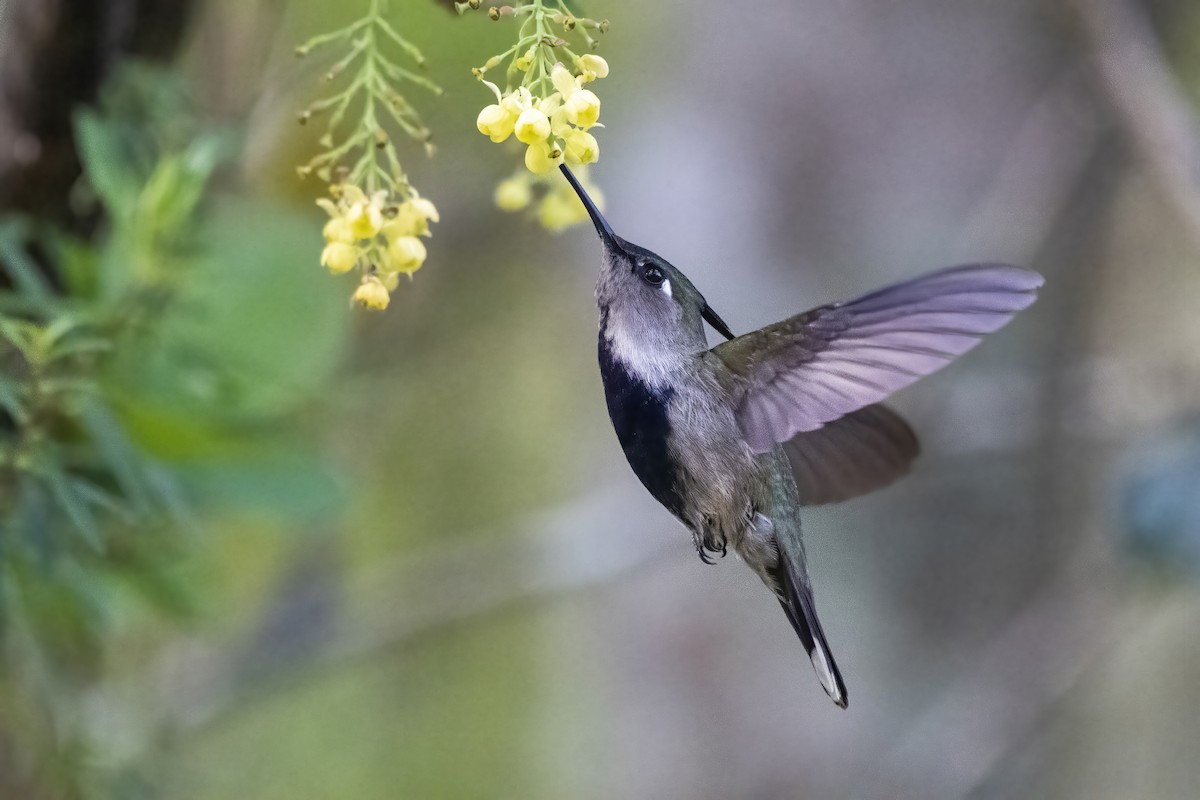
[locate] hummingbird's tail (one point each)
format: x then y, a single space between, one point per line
797 601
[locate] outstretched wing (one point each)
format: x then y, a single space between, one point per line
801 373
859 453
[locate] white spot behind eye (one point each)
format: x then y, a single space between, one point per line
666 287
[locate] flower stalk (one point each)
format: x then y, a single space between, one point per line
376 214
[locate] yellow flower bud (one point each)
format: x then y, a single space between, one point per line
405 254
549 105
513 103
339 257
583 108
495 122
365 219
412 219
424 207
559 125
338 229
513 194
349 193
582 148
557 211
563 80
593 67
532 126
538 159
372 294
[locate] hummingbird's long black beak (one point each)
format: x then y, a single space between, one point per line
718 324
602 227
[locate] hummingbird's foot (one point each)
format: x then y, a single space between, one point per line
712 542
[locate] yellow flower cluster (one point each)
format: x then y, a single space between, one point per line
377 236
554 126
376 232
559 207
549 103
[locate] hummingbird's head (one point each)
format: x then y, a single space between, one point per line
650 310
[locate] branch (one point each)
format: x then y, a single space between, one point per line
593 541
1151 106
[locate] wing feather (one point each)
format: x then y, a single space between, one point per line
807 371
858 453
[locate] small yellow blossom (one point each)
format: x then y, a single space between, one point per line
554 213
405 254
425 208
593 67
412 219
540 158
496 122
583 108
371 293
548 105
563 80
582 148
559 210
514 194
339 257
338 230
516 102
365 216
532 126
560 126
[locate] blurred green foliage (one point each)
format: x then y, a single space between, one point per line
152 374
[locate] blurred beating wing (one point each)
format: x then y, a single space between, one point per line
801 373
859 453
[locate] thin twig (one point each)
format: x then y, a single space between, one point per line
595 540
1152 108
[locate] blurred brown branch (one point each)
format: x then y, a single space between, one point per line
1151 106
54 55
596 540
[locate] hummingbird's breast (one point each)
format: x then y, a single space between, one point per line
639 414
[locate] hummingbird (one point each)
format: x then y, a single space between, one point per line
734 440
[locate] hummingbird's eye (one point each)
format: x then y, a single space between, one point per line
652 275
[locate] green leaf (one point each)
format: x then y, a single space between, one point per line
167 589
72 504
117 454
10 399
259 329
35 516
26 276
102 499
168 431
107 164
78 263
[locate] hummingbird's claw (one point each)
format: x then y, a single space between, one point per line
708 544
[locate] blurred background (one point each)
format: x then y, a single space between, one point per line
256 544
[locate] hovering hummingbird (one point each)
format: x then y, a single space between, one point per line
734 440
